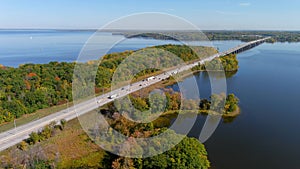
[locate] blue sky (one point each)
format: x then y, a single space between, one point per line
209 14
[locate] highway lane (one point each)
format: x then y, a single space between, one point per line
15 136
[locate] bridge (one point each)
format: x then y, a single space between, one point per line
16 135
246 46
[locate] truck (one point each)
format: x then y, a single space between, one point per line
113 96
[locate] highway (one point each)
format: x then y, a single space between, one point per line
15 136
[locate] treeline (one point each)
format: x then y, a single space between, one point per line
221 104
145 107
30 87
228 63
245 36
157 103
197 36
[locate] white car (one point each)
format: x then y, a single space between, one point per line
113 96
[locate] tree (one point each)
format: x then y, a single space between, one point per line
16 107
189 153
231 103
5 115
33 138
46 133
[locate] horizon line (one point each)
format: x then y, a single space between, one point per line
124 30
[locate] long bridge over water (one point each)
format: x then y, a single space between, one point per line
16 135
246 46
238 49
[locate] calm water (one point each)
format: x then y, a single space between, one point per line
266 134
42 46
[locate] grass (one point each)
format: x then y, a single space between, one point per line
72 146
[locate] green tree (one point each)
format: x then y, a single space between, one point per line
33 138
231 103
16 107
46 133
189 153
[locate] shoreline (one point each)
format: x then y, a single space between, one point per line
163 84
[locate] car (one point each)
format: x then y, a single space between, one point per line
113 96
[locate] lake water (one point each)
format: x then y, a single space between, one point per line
265 135
43 46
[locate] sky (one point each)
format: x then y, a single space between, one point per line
207 15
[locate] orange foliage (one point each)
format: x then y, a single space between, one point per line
31 74
57 78
97 90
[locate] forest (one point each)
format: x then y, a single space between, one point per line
31 87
